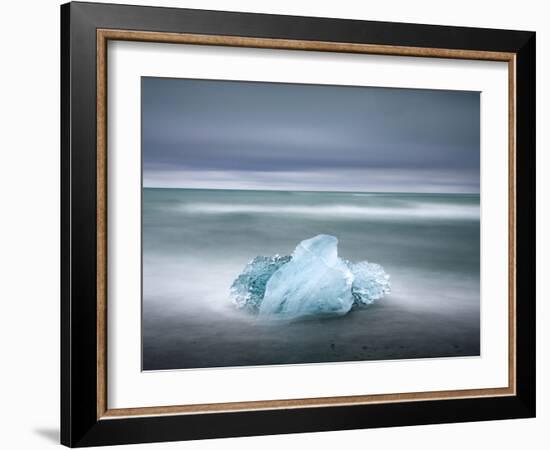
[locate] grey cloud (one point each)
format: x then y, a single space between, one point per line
263 130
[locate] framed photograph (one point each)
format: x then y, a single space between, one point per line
276 224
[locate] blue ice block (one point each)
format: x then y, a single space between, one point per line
313 282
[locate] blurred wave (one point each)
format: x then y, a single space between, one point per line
416 210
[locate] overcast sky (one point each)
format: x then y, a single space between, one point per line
249 135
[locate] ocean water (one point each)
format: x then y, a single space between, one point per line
195 242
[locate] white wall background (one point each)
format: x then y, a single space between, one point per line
29 224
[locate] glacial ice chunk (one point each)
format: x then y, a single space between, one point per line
314 281
247 291
370 282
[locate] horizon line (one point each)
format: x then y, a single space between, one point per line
311 191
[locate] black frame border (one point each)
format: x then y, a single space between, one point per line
79 423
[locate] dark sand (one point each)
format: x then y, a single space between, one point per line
386 330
